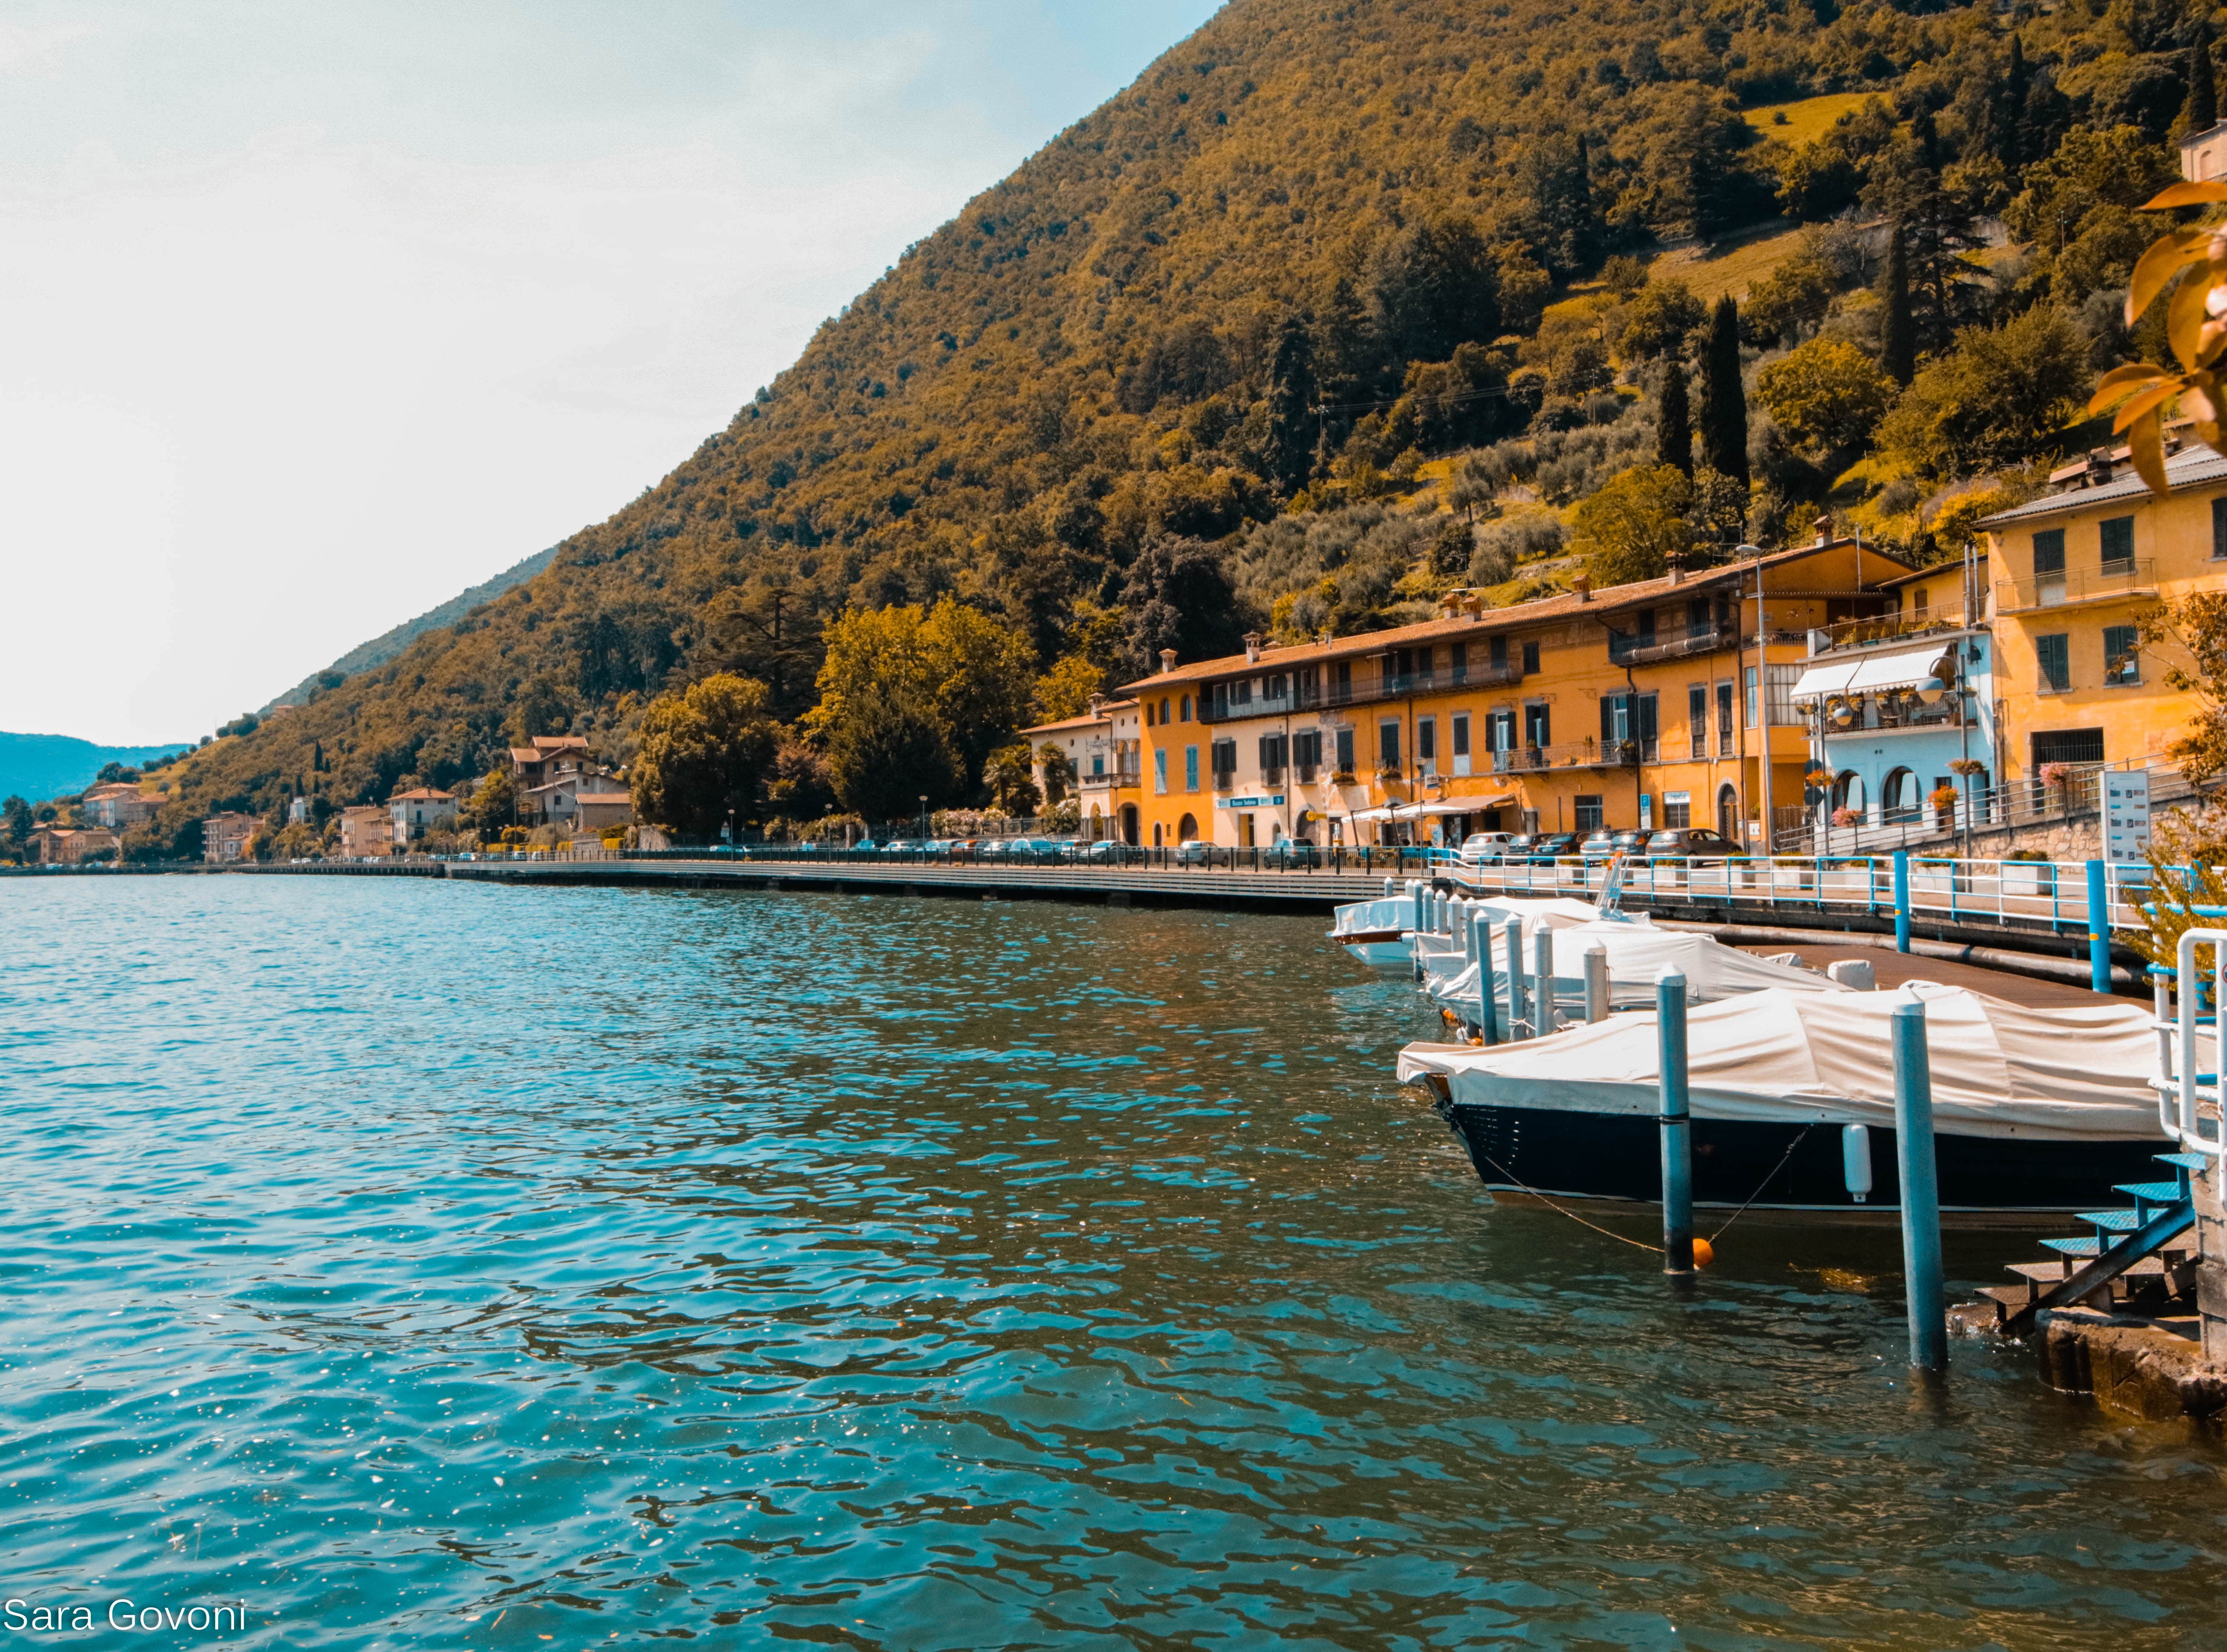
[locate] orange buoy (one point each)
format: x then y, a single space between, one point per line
1704 1253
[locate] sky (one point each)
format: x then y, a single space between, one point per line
312 315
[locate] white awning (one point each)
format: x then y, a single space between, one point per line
1870 674
1434 806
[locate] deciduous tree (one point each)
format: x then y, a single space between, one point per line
705 754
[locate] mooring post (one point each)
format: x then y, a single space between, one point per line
1517 1017
1902 900
1921 1189
1542 978
1678 1124
1488 1001
2099 928
1596 983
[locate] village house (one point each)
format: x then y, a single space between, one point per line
2073 573
227 836
366 829
552 772
56 845
418 811
117 804
1102 766
1658 704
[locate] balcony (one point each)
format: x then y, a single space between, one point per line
1390 686
2111 582
1633 650
1583 754
1889 627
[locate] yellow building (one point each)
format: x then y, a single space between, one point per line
2073 572
1649 705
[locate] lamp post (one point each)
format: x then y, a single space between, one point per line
923 816
1762 690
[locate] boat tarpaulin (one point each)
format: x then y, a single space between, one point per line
1636 956
1999 1069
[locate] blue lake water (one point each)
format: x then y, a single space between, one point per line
425 1263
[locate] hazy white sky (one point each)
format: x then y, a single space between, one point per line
311 316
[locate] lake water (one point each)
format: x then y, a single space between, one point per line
427 1264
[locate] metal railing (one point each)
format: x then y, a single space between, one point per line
2024 801
2129 577
1633 651
1387 685
1900 627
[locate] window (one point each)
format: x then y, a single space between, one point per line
2219 529
1500 728
1186 708
1530 658
1589 811
2052 657
1306 752
1917 601
1754 711
1148 714
1499 647
1538 730
1461 734
1191 768
2049 552
1345 751
1724 719
2123 659
1241 692
1460 661
2068 746
1278 688
1160 772
1426 744
1341 682
1697 719
1225 763
2118 541
1387 744
1272 747
1677 809
1163 708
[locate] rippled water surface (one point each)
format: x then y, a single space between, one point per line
426 1263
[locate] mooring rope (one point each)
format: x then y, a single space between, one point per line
1765 1183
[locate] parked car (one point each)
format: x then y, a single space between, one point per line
1548 847
1690 843
1191 853
1105 852
1598 845
1288 853
1485 848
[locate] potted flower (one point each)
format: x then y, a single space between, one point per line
2025 871
1944 798
2057 784
1845 816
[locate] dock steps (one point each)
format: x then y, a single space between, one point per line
2135 1256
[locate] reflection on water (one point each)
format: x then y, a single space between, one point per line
427 1264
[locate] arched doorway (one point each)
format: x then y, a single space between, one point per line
1097 823
1187 828
1129 824
1160 835
1899 798
1728 812
1849 791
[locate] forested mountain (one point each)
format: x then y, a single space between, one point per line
1201 360
51 765
384 647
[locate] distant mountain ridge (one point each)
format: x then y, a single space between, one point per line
38 766
386 645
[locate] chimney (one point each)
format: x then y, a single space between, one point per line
1583 585
1824 527
1167 660
1096 701
2099 466
1675 564
1252 648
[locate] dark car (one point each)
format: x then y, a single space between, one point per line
1599 845
1690 843
1631 843
1539 848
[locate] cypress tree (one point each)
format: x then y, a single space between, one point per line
1724 402
1674 420
1897 335
1291 416
2201 111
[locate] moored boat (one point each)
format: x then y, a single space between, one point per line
2037 1112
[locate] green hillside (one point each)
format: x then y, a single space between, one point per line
1199 362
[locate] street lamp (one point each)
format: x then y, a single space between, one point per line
923 815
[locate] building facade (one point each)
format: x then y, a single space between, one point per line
227 836
1901 705
1663 703
366 829
1102 768
117 804
418 811
2073 574
61 845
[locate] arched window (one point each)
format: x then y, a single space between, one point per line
1729 813
1849 792
1186 708
1898 796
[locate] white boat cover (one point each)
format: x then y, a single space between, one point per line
1637 955
1999 1069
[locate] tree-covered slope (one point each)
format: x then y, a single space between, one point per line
1309 240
